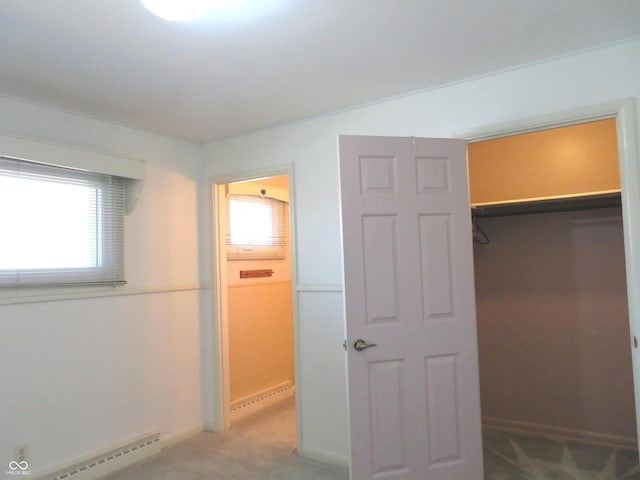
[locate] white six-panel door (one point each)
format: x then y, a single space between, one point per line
408 267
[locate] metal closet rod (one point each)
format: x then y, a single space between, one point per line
567 204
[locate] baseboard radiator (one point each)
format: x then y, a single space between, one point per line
613 441
253 403
109 461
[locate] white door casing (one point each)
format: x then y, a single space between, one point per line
408 272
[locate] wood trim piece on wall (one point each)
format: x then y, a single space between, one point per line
256 273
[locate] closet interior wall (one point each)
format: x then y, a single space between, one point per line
552 312
553 326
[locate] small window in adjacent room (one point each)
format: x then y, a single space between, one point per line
59 226
255 228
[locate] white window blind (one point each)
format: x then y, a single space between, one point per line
256 228
59 226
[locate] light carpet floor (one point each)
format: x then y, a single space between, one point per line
260 447
517 456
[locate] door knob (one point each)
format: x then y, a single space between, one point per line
361 345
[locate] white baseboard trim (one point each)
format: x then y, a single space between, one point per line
614 441
106 461
325 457
253 403
175 438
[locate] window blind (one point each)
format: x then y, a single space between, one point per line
59 226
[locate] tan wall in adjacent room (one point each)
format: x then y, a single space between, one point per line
260 320
260 337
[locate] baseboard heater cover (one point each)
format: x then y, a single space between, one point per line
252 403
111 460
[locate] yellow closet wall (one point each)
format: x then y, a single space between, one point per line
577 159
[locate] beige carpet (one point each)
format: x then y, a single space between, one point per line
261 447
510 455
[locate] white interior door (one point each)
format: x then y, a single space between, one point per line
408 265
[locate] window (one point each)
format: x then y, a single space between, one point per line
255 228
59 226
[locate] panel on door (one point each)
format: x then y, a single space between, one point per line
409 296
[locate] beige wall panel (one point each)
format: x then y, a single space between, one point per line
577 159
260 337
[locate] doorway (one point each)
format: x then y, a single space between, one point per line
552 311
254 301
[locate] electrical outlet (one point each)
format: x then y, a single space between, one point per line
21 453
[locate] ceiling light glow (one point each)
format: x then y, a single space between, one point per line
177 10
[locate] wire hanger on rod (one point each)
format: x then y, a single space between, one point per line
479 236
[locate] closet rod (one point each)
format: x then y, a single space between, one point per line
580 202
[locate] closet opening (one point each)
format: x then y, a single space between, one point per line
556 379
255 309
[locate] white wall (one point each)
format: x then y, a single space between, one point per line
561 84
80 375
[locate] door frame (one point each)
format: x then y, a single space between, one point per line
629 161
215 333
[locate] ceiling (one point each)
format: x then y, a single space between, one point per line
273 61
